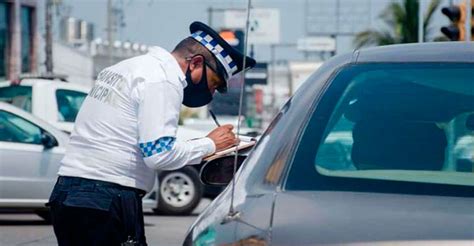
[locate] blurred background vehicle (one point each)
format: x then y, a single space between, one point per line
371 150
47 98
30 153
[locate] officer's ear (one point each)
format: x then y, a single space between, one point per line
196 68
196 62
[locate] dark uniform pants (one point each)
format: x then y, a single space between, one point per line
91 212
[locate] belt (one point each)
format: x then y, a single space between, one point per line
78 181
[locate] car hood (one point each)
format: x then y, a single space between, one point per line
312 218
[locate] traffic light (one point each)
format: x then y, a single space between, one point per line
233 37
457 16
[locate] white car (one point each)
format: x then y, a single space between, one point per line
30 153
51 100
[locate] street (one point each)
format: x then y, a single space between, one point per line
29 229
310 122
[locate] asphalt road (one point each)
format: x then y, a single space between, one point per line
29 229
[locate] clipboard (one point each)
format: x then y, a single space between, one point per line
245 143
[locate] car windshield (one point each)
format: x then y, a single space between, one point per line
19 96
399 122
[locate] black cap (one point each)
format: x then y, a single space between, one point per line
229 58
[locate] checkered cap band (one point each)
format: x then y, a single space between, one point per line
222 56
158 146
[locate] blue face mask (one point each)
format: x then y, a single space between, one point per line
197 95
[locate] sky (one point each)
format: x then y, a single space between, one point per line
166 22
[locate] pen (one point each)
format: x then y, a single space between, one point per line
214 117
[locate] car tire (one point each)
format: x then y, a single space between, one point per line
179 191
45 215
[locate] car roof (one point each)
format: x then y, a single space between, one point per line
10 108
46 82
418 52
32 81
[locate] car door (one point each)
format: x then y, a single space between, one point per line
27 169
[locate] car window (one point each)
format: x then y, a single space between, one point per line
410 123
16 129
69 103
19 96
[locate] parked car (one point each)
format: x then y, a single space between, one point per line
176 192
398 111
47 98
30 153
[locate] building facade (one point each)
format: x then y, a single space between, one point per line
18 38
76 64
105 55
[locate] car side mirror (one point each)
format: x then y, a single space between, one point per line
219 172
48 140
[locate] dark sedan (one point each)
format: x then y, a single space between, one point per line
372 149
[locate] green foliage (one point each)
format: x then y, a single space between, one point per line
401 21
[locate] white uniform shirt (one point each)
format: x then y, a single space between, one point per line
127 125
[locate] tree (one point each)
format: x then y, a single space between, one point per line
402 22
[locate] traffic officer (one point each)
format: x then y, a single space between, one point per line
126 129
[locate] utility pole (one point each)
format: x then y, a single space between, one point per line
14 64
110 30
273 48
468 20
273 81
420 22
209 16
49 37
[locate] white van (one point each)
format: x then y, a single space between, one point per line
53 101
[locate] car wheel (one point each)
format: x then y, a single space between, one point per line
44 214
180 191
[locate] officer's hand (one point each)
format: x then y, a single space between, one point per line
223 137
